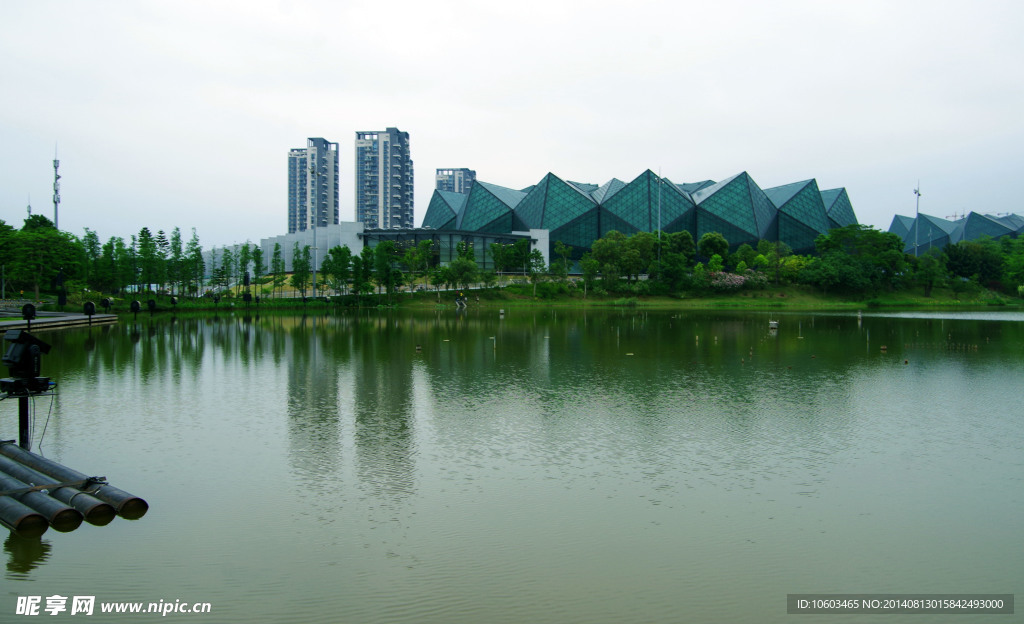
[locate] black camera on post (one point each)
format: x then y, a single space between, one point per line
24 359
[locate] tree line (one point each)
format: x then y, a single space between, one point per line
39 257
854 261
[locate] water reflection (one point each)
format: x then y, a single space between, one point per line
621 464
24 555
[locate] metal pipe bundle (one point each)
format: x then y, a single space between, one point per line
95 511
61 517
21 519
126 505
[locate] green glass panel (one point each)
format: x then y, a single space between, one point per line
805 206
979 225
441 210
612 222
798 235
482 208
708 222
900 226
729 202
579 234
531 210
838 207
632 204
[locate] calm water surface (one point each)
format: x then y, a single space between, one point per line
548 466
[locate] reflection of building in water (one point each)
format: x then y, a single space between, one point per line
314 427
349 383
382 367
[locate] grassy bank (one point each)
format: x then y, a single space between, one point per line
773 297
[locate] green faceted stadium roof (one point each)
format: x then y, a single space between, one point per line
577 213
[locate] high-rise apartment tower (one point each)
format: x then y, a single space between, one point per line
455 180
312 185
384 193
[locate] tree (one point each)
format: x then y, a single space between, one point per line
746 254
774 253
163 250
520 255
646 246
558 271
981 259
362 273
384 257
196 265
244 257
259 269
608 251
869 256
417 256
147 251
563 251
502 257
41 252
464 249
825 272
175 268
37 222
93 253
425 256
277 269
337 268
712 243
682 243
227 268
462 271
931 268
301 264
536 269
632 263
590 267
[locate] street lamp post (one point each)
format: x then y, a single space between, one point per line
917 214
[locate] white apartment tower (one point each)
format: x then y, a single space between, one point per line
312 185
384 180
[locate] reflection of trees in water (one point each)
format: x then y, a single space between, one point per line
25 555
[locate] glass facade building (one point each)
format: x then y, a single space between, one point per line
384 179
927 232
313 185
577 213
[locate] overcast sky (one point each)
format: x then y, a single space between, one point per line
182 113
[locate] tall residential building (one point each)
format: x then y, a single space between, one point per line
312 185
455 180
384 193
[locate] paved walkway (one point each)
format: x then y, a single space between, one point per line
11 319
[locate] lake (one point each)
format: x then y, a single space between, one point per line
544 465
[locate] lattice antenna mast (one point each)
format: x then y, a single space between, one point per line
56 187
